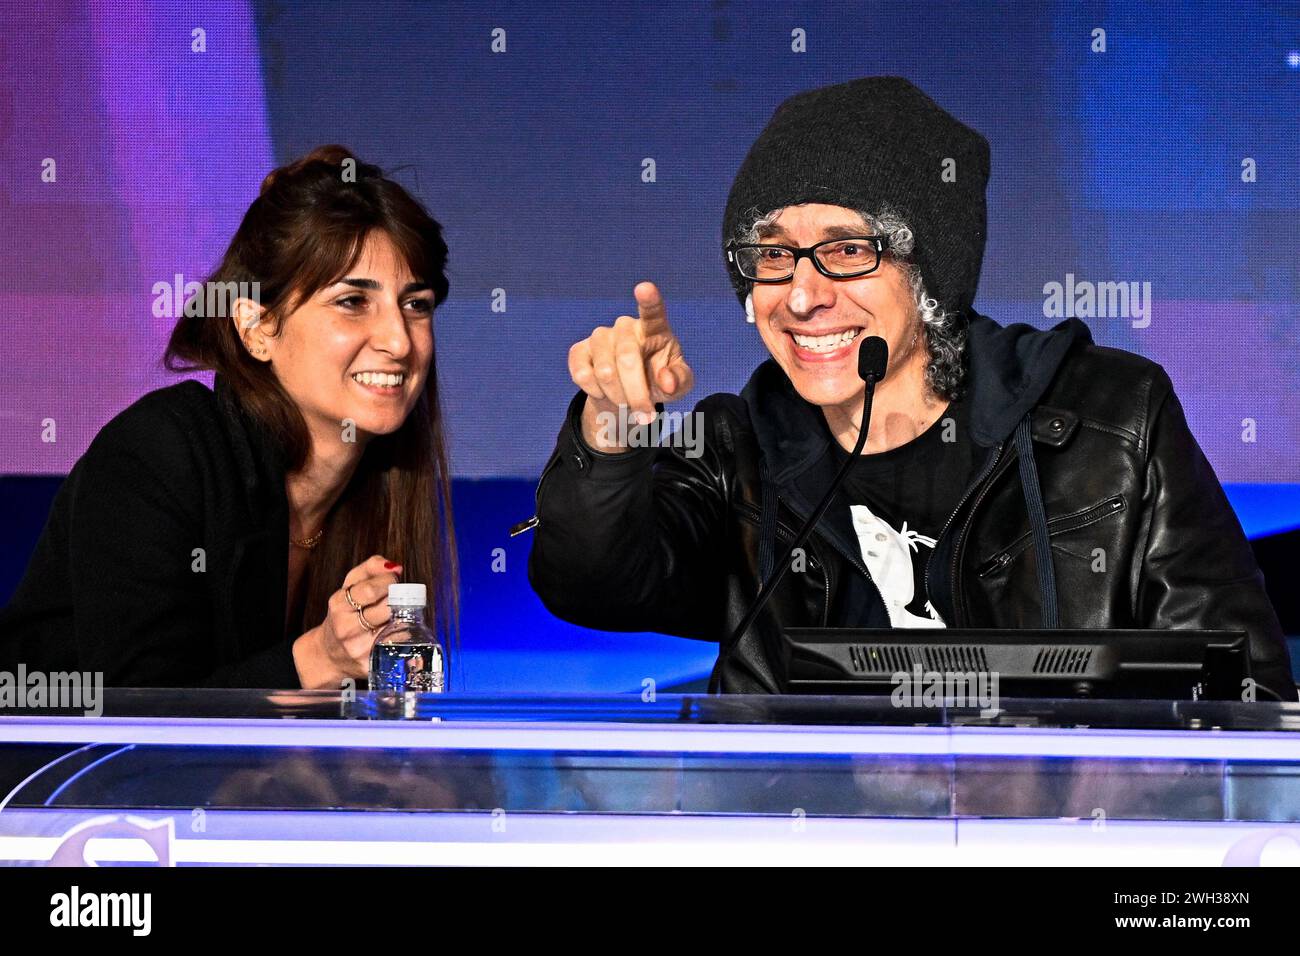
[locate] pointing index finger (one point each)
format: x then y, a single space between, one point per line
650 307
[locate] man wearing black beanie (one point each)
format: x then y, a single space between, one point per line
860 211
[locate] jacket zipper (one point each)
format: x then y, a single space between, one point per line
753 514
958 609
979 480
854 562
530 523
1064 523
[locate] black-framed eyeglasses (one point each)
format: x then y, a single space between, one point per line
844 258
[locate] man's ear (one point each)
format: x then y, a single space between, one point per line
247 316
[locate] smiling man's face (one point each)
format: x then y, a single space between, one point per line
789 315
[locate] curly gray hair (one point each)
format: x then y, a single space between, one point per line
945 333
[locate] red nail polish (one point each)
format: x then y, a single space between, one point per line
389 565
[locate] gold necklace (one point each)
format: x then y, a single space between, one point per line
309 542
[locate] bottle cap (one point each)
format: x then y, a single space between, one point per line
407 595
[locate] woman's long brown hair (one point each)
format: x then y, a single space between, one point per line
304 231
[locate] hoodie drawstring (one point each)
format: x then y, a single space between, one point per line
1037 523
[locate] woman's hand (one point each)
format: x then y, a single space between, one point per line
340 646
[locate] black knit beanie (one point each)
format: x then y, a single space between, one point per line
869 142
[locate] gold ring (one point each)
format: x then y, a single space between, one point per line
364 623
347 593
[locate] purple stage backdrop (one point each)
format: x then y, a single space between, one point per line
134 134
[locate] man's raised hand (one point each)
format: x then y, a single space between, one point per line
628 367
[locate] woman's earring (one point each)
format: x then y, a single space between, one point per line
749 308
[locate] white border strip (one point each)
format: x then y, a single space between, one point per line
596 737
857 843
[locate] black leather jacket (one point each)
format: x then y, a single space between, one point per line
654 539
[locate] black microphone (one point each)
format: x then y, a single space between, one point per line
873 357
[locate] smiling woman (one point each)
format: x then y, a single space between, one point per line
246 535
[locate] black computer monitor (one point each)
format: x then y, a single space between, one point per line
1069 663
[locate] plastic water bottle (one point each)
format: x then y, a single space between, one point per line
408 657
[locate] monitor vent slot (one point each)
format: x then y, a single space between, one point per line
955 658
1063 660
879 658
